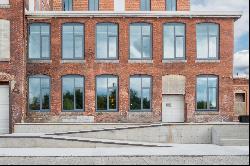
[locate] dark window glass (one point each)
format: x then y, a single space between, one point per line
145 5
140 93
39 93
73 41
207 93
39 41
67 5
207 41
107 93
93 5
107 41
171 5
140 41
73 89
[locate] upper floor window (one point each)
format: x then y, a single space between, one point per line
67 5
39 41
39 93
140 93
207 41
4 2
4 39
93 5
119 5
106 93
207 93
107 41
174 41
73 41
171 5
145 5
140 41
73 93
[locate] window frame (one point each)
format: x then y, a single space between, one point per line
175 37
49 37
95 1
40 77
208 40
74 36
142 36
207 91
108 37
83 91
146 5
63 5
117 94
172 7
142 88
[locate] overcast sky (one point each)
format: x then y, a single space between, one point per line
241 56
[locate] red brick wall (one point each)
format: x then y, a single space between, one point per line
14 71
124 70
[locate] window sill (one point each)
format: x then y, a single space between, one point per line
174 61
4 6
4 59
207 113
107 61
140 61
40 61
73 61
207 61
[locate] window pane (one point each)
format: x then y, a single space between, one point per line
67 5
45 30
79 82
34 42
180 47
93 5
171 5
102 46
146 47
212 82
146 30
45 47
202 93
135 93
179 30
135 42
68 44
145 5
102 84
68 93
112 47
112 99
212 98
146 82
34 93
213 30
212 47
146 98
79 98
112 30
45 83
112 82
78 46
202 42
45 99
169 50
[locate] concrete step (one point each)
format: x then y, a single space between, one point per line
234 142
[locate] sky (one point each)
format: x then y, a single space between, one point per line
241 56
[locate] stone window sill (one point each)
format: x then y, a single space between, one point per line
207 61
174 61
140 61
107 61
40 61
73 61
207 113
4 59
5 6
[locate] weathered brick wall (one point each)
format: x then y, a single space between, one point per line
14 71
124 70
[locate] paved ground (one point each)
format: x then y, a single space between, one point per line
178 154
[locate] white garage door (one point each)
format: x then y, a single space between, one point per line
173 108
4 109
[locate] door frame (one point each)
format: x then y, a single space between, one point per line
7 83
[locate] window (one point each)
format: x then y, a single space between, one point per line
171 5
145 5
140 93
39 41
39 93
4 2
140 41
207 41
73 41
4 39
207 93
119 5
107 41
67 5
93 5
174 41
106 93
73 93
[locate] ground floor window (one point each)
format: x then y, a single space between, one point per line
39 93
207 93
73 93
140 93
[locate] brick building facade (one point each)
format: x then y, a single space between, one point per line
170 78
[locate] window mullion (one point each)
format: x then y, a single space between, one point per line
107 94
40 94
